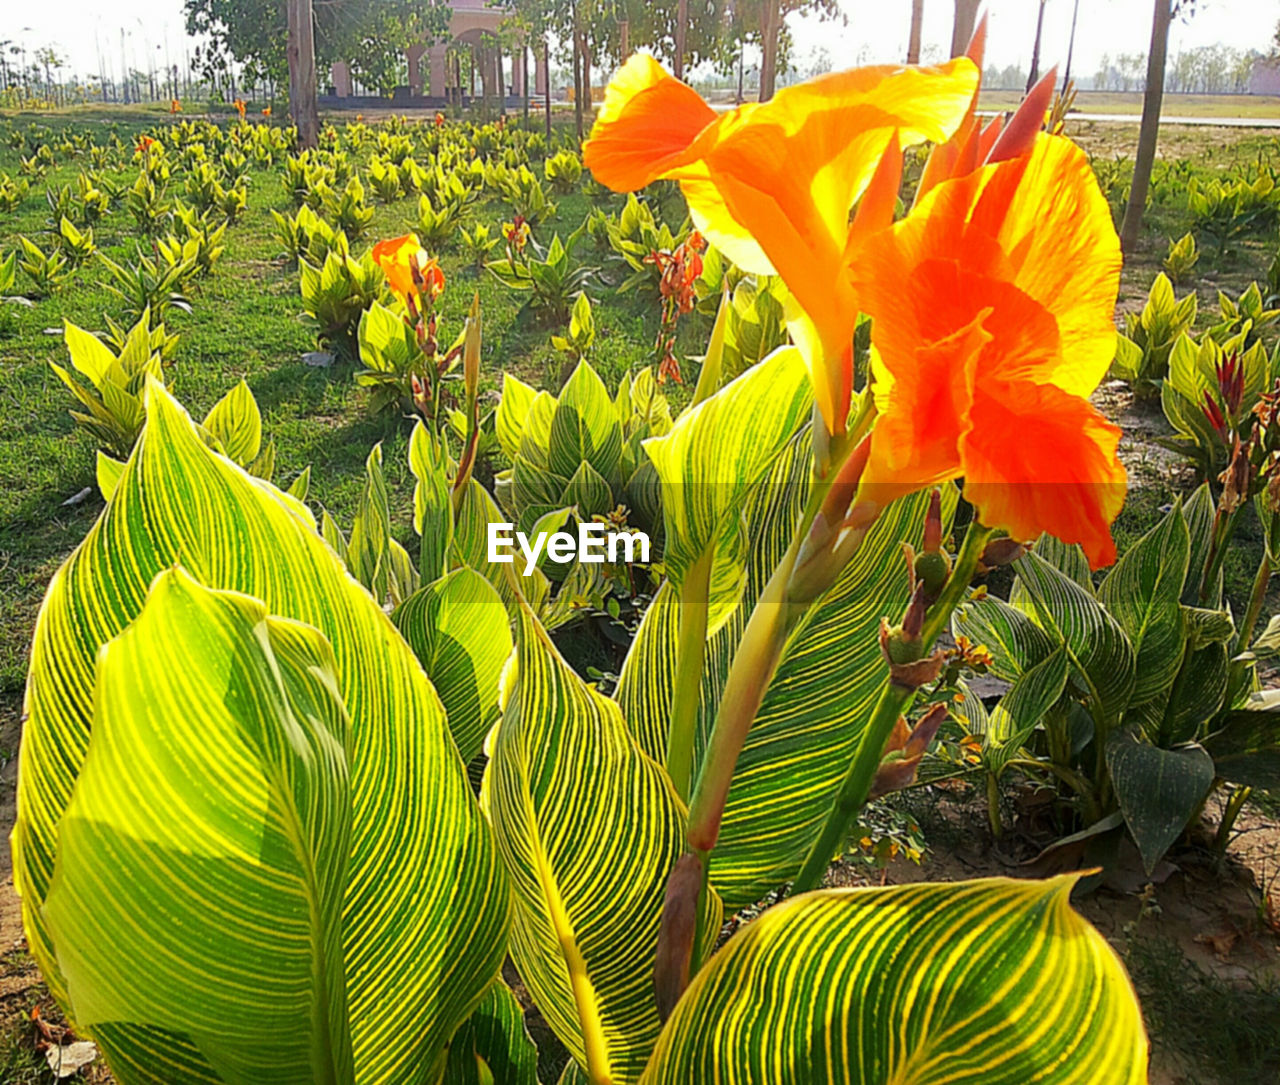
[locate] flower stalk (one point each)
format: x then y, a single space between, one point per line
895 698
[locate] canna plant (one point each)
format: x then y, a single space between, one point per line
552 276
1135 699
306 822
564 171
582 450
1181 260
477 243
48 272
147 285
112 405
1142 352
336 293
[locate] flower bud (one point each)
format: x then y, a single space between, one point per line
471 352
1003 551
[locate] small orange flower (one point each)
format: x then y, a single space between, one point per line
410 272
239 104
175 106
266 112
517 233
439 120
771 185
144 144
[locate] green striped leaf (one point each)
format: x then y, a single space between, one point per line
820 699
204 896
997 982
432 504
1246 746
237 424
715 456
368 549
584 427
493 1047
1101 653
425 903
1015 642
1159 791
513 410
1142 593
589 827
460 632
1199 511
1012 720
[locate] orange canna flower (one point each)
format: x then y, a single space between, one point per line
144 144
266 112
239 104
517 233
439 120
410 272
992 306
771 185
175 106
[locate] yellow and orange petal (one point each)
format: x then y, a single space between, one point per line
771 185
396 258
992 309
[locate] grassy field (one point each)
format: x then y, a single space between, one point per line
1248 106
247 323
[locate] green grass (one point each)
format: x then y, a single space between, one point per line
1249 106
246 323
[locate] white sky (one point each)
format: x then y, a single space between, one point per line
876 30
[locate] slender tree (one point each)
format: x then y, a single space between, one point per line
917 27
962 28
1034 77
770 27
1149 134
301 51
682 31
1071 46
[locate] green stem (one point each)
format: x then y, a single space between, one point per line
993 805
893 701
1224 529
1230 812
690 652
1261 579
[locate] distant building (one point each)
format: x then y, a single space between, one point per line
472 25
1265 77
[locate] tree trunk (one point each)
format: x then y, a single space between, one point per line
917 27
624 31
524 75
301 52
962 30
682 25
770 21
546 89
1034 77
577 84
1149 134
1071 47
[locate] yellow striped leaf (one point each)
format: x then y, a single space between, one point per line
589 827
820 699
202 859
425 903
993 982
460 632
714 457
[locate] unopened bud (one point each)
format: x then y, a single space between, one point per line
1230 373
933 523
1002 552
1215 416
674 952
898 769
471 352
